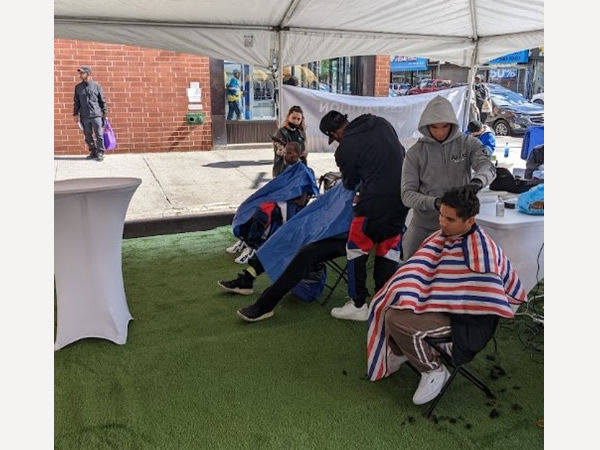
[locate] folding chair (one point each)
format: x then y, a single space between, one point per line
437 343
340 271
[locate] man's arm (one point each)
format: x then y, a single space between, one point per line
350 177
411 197
480 161
76 105
102 101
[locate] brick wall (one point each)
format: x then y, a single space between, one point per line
145 91
382 75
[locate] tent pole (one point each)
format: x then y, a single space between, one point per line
280 78
471 81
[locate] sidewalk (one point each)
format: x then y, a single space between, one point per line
204 182
186 183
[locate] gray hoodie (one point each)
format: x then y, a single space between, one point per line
431 168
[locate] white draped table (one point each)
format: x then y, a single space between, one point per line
89 215
521 236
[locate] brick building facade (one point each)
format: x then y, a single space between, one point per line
146 96
145 91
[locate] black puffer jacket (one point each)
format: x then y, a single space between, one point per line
371 155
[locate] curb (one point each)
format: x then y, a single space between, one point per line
175 224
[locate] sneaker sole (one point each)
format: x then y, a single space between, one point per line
259 318
240 291
350 318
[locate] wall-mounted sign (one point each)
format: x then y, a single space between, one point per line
513 58
407 63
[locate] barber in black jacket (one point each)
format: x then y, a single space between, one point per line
370 158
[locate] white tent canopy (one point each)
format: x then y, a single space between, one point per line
463 32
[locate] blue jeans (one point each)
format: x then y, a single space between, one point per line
93 124
234 107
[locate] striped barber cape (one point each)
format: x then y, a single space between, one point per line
468 274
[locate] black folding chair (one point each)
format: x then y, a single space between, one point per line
340 272
437 344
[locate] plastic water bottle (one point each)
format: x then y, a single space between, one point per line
506 149
499 207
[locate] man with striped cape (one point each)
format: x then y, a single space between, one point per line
458 283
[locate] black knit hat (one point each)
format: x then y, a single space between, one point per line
331 122
474 126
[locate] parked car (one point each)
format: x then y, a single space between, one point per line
511 112
400 88
425 86
538 98
392 93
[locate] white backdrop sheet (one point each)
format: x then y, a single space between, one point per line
402 112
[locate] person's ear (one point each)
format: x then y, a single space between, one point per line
470 221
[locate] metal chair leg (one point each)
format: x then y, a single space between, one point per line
477 382
436 400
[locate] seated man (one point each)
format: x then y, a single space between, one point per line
272 205
485 135
315 235
458 283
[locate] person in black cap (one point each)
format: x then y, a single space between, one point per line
370 159
484 133
90 110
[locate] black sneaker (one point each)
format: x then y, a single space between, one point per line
91 155
241 285
254 313
100 156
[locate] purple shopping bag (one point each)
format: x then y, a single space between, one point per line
110 140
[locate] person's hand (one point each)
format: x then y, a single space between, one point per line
279 149
76 118
476 184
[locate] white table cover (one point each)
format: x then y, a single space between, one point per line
521 236
89 215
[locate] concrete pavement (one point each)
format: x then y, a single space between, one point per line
178 184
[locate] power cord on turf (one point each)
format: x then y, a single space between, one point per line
529 323
531 334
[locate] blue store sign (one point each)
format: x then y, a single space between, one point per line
513 58
407 64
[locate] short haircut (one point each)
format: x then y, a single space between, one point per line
293 145
464 200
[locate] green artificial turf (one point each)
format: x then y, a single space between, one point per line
192 375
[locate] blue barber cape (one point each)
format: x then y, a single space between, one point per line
291 183
330 215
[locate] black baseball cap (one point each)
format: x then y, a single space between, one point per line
331 122
86 69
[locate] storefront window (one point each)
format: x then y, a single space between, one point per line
331 75
257 100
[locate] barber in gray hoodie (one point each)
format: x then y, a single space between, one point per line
444 158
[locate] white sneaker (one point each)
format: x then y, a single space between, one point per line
351 312
430 385
245 256
236 248
394 362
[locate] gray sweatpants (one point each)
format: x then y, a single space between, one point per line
93 124
412 239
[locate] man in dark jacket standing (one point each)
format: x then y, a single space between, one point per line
370 158
90 109
481 95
